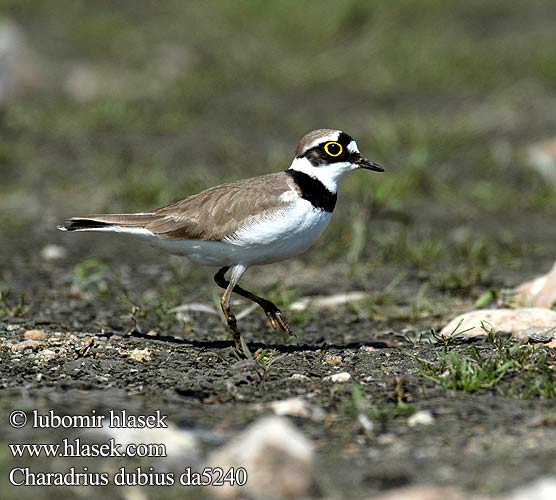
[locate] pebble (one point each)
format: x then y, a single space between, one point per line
18 69
541 156
538 292
278 458
299 376
328 301
338 377
53 252
181 446
515 321
297 407
140 354
333 360
35 335
541 489
46 354
426 492
26 344
367 348
423 417
366 424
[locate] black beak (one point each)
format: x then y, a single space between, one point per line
362 162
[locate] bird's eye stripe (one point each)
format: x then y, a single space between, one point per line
333 148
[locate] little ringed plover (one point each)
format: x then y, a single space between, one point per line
250 222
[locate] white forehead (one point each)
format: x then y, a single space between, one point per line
351 147
334 135
322 136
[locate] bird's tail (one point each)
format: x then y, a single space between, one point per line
108 222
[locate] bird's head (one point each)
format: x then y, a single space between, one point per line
328 155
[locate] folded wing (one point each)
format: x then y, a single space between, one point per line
210 215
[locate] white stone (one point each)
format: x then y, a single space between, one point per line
538 292
35 335
365 422
297 407
424 417
427 492
26 344
278 459
541 489
181 446
327 301
53 252
140 354
338 377
515 321
541 156
46 354
18 70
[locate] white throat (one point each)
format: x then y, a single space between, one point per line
330 175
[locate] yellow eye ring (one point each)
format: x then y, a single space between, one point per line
333 144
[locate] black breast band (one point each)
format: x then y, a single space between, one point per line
313 190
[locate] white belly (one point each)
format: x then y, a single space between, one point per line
261 240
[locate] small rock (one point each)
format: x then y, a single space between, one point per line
541 489
83 83
278 459
140 354
367 348
46 354
183 312
420 418
338 377
538 292
461 234
35 335
333 360
541 156
297 407
365 422
53 252
181 446
299 376
26 344
515 321
18 69
327 301
427 493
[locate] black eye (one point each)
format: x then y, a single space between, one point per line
333 148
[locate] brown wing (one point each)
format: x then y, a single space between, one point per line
218 212
210 215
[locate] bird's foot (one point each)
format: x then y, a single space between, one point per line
277 320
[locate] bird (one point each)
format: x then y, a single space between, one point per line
250 222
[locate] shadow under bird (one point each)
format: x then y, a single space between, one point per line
251 222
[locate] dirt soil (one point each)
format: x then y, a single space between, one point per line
482 441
